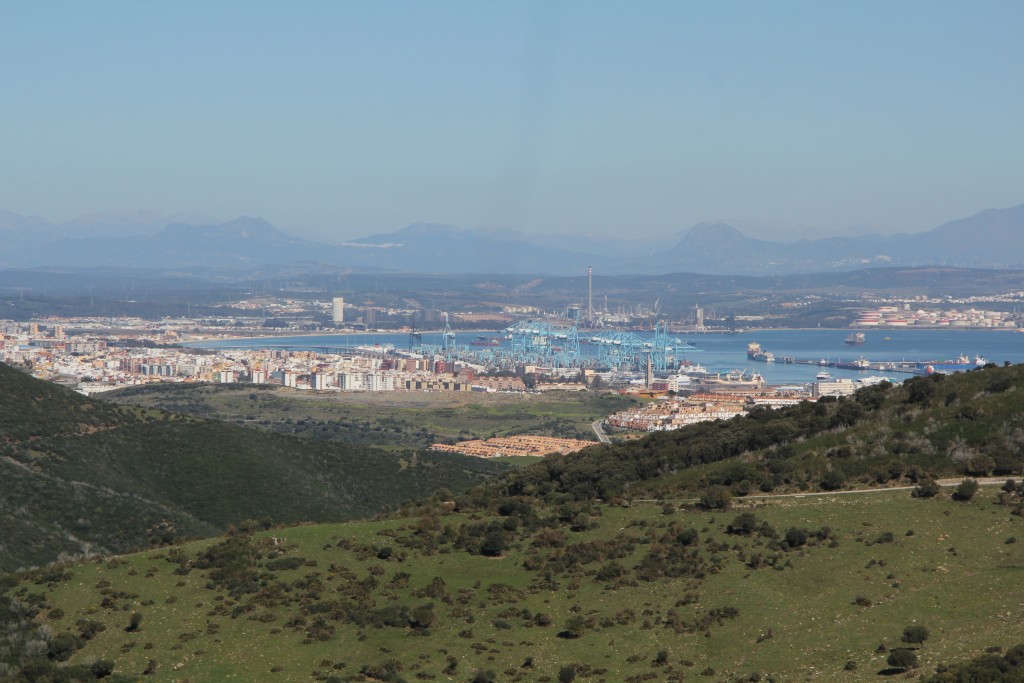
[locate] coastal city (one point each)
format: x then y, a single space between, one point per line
96 355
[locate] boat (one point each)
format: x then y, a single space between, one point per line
485 341
734 379
755 352
856 338
861 363
692 369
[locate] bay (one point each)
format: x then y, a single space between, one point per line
724 352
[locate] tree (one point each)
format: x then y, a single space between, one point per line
965 490
915 634
920 390
796 537
744 524
833 480
494 544
715 498
902 658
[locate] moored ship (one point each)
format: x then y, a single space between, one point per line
485 341
734 379
755 352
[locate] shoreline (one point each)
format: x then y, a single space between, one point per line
749 330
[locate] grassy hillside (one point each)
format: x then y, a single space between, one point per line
78 475
391 420
795 589
559 571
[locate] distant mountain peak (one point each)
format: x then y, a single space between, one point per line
250 227
423 228
714 230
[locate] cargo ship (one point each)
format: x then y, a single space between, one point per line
755 352
485 341
856 338
734 379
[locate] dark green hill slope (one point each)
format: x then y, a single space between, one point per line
78 475
966 424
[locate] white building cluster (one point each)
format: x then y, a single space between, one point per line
101 362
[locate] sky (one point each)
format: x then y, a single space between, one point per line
347 118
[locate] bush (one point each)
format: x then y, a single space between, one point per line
915 634
574 627
902 658
133 622
965 490
715 498
833 480
928 488
796 537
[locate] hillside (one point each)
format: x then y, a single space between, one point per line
970 424
84 476
620 563
617 594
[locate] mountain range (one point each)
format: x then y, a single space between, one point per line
990 239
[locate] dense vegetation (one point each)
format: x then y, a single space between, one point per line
79 475
928 427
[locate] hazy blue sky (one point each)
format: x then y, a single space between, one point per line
349 118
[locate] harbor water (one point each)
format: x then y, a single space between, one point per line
725 352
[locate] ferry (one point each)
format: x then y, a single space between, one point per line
823 376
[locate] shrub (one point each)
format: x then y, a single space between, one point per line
574 627
133 622
965 490
915 634
833 480
715 498
796 537
928 488
902 658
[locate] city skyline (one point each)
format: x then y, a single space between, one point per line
340 120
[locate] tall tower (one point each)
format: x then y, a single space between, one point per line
338 310
590 292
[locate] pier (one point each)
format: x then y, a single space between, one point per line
910 367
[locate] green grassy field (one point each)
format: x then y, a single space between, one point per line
391 420
950 566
